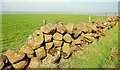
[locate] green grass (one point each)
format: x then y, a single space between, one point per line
97 54
17 27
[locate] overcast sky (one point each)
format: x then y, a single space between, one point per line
71 6
60 0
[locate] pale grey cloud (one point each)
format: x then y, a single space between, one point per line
60 0
61 7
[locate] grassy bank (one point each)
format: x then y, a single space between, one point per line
17 27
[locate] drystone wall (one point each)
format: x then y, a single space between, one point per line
55 41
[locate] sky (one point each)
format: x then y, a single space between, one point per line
60 0
61 6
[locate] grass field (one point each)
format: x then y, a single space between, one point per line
17 27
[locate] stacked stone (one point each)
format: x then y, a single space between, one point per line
52 42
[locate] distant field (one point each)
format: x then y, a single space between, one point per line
17 27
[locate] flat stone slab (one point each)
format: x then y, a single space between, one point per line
20 64
14 56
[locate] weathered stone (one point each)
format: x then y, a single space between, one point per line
60 27
51 59
93 35
109 18
40 53
48 45
70 28
74 48
55 51
59 49
77 33
101 32
76 27
104 31
115 18
106 23
82 27
57 36
48 59
118 20
99 24
67 38
57 43
89 30
20 64
83 46
8 67
36 39
1 65
79 29
48 38
3 60
30 55
34 63
89 40
14 56
109 25
52 51
44 22
78 51
113 24
84 41
66 50
48 28
93 27
88 36
78 40
27 49
112 18
113 54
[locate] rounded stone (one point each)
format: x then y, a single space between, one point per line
35 39
40 53
57 36
14 56
27 49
